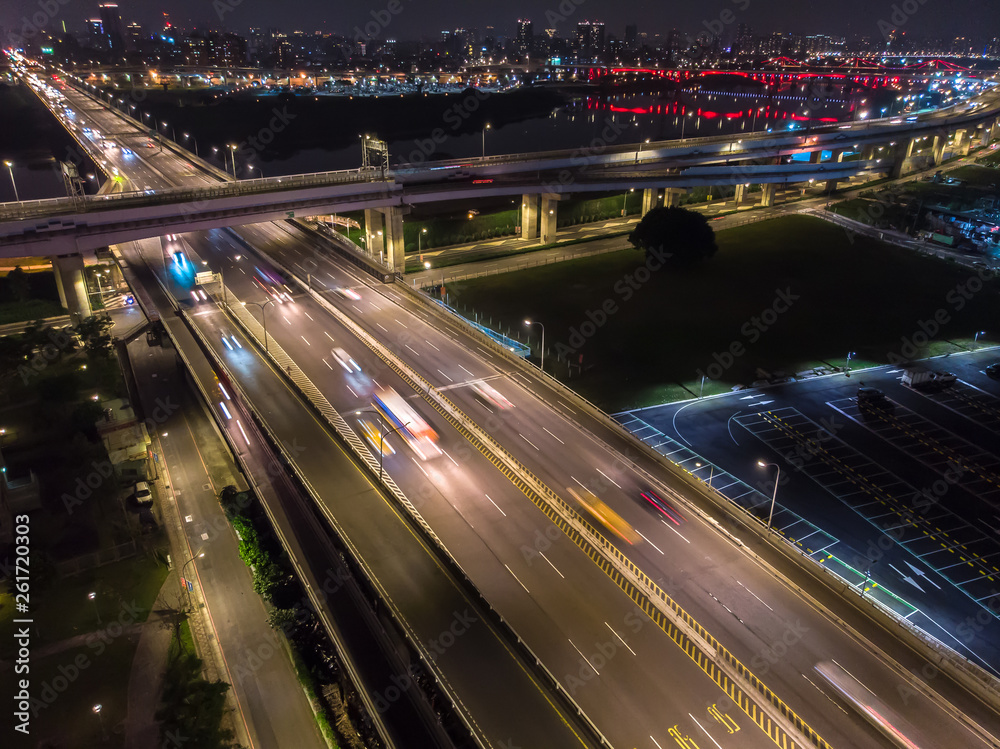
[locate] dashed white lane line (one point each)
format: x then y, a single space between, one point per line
650 543
470 373
495 504
528 441
382 326
306 340
520 583
417 353
552 565
554 437
327 363
607 477
329 336
446 376
431 345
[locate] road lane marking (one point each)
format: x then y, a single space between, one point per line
358 309
403 324
650 543
412 349
542 553
495 504
329 336
308 315
754 595
527 440
618 636
470 373
327 363
582 655
417 464
673 529
446 376
554 437
607 477
287 320
706 732
431 345
520 583
306 340
352 392
449 457
382 326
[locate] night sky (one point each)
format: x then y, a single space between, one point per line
416 18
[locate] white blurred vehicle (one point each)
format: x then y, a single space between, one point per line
491 395
349 293
345 360
371 433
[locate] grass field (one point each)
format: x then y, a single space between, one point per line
841 295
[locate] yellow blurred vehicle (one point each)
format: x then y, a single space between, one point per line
604 515
370 432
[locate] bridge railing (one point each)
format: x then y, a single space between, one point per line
53 206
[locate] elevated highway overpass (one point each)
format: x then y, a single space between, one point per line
568 602
208 199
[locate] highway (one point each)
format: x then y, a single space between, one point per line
562 603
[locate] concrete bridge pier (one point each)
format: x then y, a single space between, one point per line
374 232
550 217
72 286
740 194
529 216
831 185
767 193
987 134
937 149
650 199
395 250
837 156
897 161
962 143
672 197
816 157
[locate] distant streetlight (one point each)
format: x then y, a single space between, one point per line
10 168
981 332
186 136
625 202
381 435
530 323
251 167
684 123
420 236
847 369
97 711
485 128
199 555
774 496
93 597
232 153
173 132
263 320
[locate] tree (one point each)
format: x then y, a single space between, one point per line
93 331
18 285
675 235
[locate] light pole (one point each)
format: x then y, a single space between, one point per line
847 369
625 202
529 323
173 132
93 597
199 555
684 123
381 436
420 236
774 496
232 154
485 128
981 332
251 167
97 711
10 168
186 136
263 319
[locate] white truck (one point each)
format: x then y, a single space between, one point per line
921 378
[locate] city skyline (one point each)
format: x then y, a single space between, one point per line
393 18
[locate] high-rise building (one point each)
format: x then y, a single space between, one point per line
134 35
525 36
743 41
631 36
589 40
114 28
96 38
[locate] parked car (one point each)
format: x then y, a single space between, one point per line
993 370
142 494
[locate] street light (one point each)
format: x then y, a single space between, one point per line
981 332
97 711
774 496
529 323
263 319
199 555
753 125
485 128
420 236
93 597
186 136
847 369
381 435
684 123
625 202
10 168
251 168
173 132
232 153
